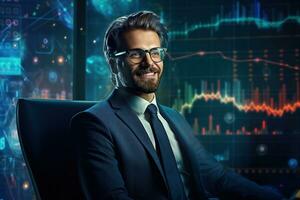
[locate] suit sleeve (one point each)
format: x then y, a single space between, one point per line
221 181
98 169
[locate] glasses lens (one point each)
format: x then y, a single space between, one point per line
135 55
157 54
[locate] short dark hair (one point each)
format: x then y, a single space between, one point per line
146 20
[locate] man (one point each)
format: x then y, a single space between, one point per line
131 147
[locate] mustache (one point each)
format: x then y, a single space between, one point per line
147 70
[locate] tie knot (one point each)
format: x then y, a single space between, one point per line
151 109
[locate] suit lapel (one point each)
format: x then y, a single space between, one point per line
187 152
179 133
125 114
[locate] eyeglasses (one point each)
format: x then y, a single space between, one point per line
136 56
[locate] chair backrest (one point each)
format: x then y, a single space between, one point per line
48 146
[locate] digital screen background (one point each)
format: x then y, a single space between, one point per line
232 71
35 62
244 57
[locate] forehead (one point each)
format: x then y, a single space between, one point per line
139 38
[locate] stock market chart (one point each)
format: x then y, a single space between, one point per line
234 74
232 71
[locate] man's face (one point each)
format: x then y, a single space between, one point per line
145 76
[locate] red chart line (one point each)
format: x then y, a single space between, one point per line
221 54
250 107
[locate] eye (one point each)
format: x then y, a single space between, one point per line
155 53
134 54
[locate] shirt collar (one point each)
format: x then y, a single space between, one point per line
138 104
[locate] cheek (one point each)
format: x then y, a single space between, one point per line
127 70
131 69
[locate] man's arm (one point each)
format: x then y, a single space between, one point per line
99 174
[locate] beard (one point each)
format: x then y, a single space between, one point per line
146 85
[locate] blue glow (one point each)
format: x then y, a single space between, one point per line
2 143
97 65
52 76
65 8
10 66
112 8
224 156
293 163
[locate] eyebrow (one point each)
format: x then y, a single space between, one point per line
142 49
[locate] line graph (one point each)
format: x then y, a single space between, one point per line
244 15
269 110
259 102
222 55
260 23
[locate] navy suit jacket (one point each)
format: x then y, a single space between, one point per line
116 159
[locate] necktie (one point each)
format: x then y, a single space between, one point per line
167 159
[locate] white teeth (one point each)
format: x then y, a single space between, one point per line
149 74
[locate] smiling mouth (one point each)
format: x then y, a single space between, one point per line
148 75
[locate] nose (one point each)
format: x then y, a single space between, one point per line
147 59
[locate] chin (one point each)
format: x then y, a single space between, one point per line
149 91
148 88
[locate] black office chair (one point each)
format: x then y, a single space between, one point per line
48 146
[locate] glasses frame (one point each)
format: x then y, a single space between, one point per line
126 52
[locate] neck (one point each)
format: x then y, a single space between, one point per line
147 96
